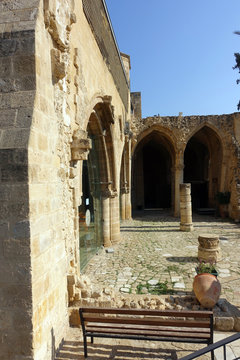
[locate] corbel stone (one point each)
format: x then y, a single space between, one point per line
59 68
80 145
107 101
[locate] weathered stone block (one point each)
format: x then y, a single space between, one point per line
5 68
71 279
17 5
16 296
13 173
224 323
17 210
71 291
14 138
25 83
4 230
21 230
22 99
5 101
7 118
8 47
74 317
5 193
23 65
237 323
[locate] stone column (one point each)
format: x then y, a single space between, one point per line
185 208
128 209
115 219
209 249
80 147
178 180
123 204
106 220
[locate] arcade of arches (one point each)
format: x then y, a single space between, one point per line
197 150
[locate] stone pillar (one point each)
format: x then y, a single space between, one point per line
123 204
209 249
178 180
185 208
115 219
128 209
106 221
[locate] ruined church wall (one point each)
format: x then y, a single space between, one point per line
179 131
17 95
71 77
53 76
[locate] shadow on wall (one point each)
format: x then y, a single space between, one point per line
54 351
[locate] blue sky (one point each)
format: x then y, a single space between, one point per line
182 53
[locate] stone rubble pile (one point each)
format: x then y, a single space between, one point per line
226 316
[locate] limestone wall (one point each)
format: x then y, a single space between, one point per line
222 129
17 94
54 75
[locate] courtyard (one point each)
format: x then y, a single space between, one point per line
155 257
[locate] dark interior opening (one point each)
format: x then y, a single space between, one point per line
196 168
157 176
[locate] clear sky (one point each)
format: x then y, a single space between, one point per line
182 53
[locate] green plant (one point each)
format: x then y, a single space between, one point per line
223 197
158 289
204 267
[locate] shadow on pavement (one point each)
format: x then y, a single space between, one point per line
73 350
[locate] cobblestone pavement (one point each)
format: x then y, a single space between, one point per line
153 250
154 255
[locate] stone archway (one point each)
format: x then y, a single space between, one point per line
202 166
99 209
125 186
153 180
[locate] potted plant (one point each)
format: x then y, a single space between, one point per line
209 268
223 199
206 286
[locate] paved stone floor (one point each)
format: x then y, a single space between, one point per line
154 251
103 349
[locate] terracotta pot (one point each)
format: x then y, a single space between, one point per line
207 289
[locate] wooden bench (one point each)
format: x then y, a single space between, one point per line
142 324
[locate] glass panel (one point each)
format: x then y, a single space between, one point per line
90 211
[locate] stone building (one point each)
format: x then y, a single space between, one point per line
67 137
64 161
201 150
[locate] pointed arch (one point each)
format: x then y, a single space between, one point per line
203 159
153 164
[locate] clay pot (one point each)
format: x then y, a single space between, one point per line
207 289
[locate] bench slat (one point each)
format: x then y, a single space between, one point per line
144 327
175 313
149 333
148 321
